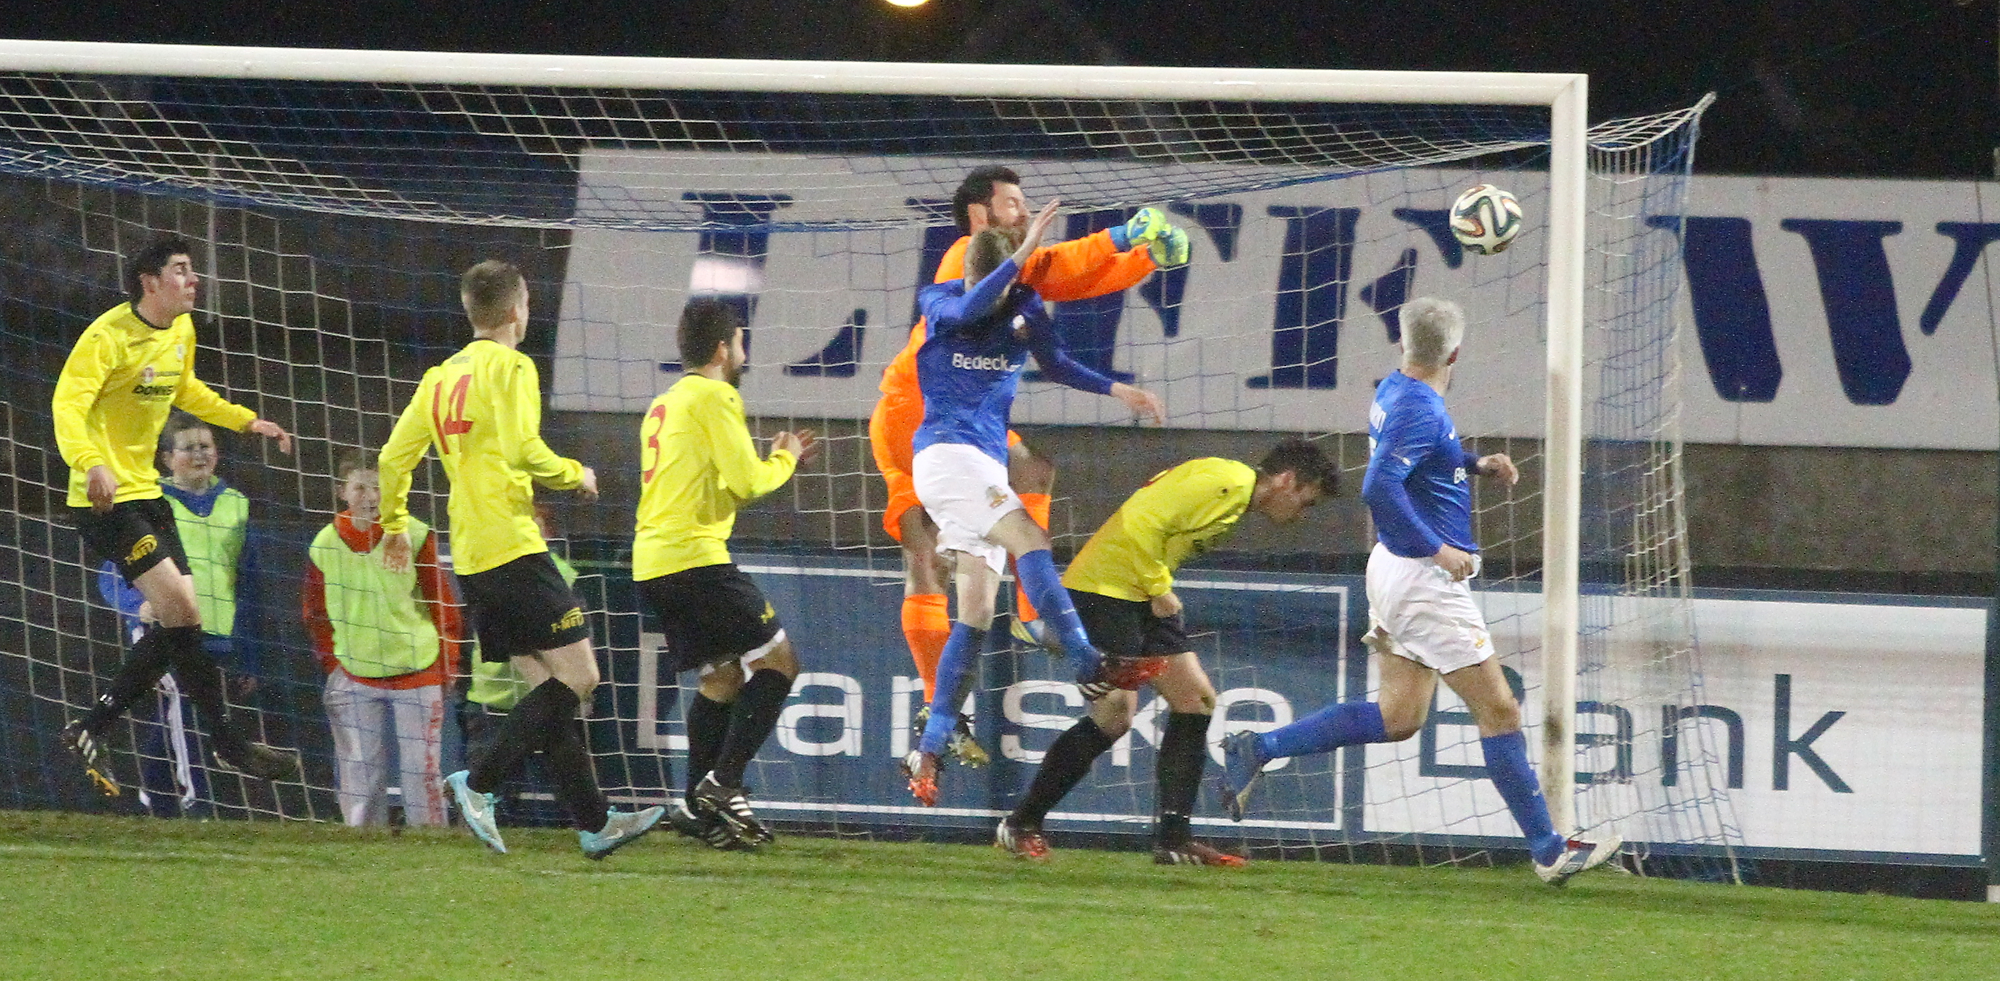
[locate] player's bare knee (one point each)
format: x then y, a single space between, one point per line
1113 713
1401 729
780 658
171 596
1185 687
721 682
1400 722
177 614
581 679
977 583
977 614
575 666
1496 716
532 670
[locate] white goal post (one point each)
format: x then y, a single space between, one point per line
1565 96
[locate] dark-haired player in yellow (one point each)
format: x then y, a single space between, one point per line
1122 584
697 466
482 409
129 369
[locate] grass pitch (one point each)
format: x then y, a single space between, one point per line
106 898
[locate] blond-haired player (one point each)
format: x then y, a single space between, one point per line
482 409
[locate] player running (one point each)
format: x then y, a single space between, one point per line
1098 264
981 330
1423 620
130 368
1123 586
698 466
482 408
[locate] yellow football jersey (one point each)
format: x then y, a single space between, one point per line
482 409
112 399
697 466
1180 512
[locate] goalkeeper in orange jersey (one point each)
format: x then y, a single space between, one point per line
482 408
1122 584
130 368
1098 264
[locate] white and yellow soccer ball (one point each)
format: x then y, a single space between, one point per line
1485 219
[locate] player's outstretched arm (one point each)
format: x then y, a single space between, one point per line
1065 370
1142 403
1107 261
802 445
1037 228
192 395
1498 465
742 472
271 430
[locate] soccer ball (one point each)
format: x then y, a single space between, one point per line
1485 219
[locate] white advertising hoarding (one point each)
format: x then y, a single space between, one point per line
1817 312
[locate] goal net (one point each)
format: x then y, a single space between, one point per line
334 197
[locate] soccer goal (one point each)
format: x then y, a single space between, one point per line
334 197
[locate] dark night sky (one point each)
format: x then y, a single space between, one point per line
1833 87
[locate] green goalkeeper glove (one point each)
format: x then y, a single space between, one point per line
1141 229
1169 249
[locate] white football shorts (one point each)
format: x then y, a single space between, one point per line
965 492
1416 611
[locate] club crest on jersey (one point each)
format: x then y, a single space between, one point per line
146 375
995 496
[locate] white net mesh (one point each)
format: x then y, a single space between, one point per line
333 220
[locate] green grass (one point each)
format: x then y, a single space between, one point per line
104 898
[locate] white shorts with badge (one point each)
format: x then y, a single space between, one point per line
1416 612
965 492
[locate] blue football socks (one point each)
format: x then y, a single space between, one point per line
960 650
1507 766
1037 570
1337 725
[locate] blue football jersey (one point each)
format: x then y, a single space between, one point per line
969 366
1417 484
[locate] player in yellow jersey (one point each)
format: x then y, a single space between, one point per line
482 409
1122 584
698 465
130 368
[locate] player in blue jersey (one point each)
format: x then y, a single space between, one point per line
982 329
1423 622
